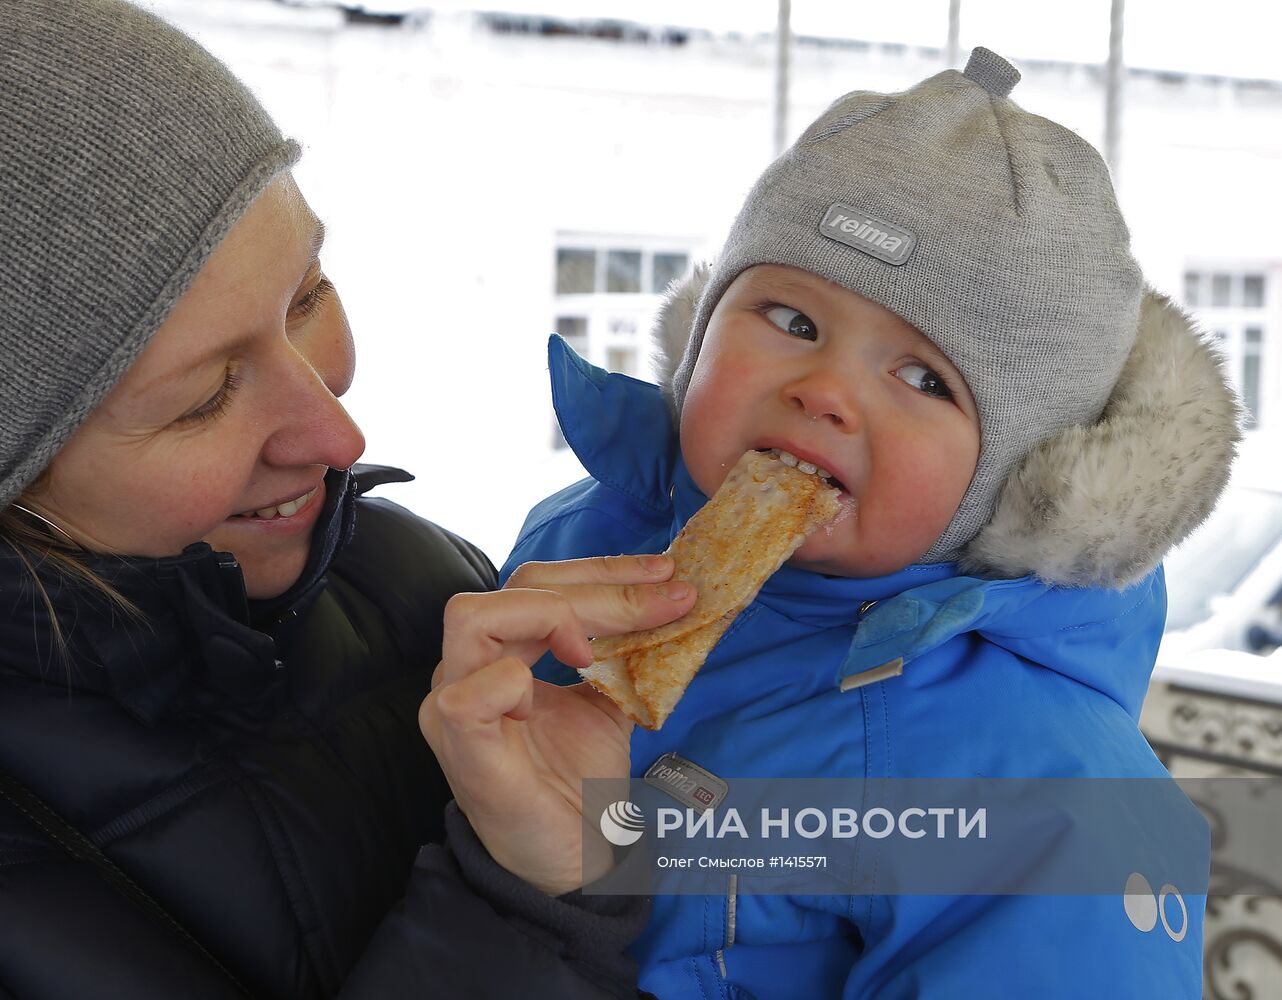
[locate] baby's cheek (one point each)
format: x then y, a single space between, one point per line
715 391
709 418
699 449
909 500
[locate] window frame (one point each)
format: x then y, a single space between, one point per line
1231 323
616 321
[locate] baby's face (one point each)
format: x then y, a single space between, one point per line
794 362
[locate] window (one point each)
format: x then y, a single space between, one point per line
621 359
1224 290
1253 291
1253 342
575 330
1234 305
623 271
1220 285
617 270
1192 289
575 271
607 290
668 267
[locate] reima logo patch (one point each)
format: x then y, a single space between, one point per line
687 782
865 232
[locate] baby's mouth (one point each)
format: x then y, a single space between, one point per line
788 458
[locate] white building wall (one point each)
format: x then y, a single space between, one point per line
446 159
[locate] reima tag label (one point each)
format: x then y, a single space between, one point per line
686 782
865 232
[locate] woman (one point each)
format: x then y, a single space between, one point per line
212 649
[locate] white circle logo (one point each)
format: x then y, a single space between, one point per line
1140 903
622 823
1144 907
1170 892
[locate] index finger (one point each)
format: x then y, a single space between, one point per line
603 609
644 568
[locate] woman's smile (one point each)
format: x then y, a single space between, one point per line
282 508
298 514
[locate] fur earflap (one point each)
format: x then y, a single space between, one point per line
671 330
1102 505
1097 505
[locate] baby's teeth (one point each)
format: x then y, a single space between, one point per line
823 473
787 458
806 467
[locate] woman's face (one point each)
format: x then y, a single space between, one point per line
231 409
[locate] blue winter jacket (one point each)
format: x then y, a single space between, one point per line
1001 677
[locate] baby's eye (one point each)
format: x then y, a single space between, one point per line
790 321
923 379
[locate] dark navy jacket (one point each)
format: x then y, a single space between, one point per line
257 768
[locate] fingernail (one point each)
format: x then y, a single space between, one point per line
676 591
654 564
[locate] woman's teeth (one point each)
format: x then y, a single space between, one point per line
788 458
287 509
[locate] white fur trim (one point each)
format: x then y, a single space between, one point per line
1102 505
671 329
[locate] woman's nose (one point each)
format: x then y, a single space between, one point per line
314 427
824 394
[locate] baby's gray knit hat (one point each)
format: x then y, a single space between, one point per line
127 153
993 231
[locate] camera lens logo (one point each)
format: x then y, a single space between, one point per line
622 823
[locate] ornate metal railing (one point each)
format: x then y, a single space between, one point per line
1201 734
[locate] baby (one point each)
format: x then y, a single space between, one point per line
931 297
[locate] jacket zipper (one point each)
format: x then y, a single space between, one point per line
732 902
732 892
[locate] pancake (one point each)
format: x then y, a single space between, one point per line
761 514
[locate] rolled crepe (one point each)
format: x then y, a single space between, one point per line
757 519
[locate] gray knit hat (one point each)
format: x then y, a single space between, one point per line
127 153
993 231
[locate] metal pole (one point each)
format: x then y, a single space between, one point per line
954 33
1113 92
783 40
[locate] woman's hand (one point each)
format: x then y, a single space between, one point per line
515 749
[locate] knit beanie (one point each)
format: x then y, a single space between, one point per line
127 153
993 231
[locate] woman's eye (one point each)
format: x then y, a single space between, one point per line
924 380
215 406
798 324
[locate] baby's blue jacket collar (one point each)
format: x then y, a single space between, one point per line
618 427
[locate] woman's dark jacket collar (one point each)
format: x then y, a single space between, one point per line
201 644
